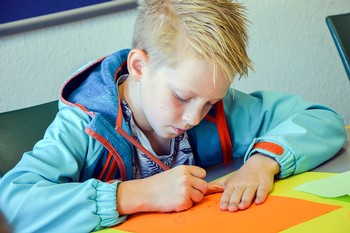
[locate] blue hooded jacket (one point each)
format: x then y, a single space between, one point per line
61 185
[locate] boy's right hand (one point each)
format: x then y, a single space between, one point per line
174 190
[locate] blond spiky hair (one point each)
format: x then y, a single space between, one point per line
168 30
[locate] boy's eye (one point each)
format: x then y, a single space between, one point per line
180 99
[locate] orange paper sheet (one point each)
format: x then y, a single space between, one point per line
276 214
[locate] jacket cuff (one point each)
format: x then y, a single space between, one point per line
284 157
106 199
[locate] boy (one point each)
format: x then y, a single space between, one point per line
136 129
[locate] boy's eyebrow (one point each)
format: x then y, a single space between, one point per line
190 92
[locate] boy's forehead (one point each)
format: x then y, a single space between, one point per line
197 76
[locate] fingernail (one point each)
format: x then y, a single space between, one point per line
223 206
232 208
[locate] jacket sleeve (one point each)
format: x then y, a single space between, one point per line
43 193
299 135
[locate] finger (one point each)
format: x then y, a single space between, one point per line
247 198
200 185
197 171
225 199
196 195
231 197
262 194
214 187
235 198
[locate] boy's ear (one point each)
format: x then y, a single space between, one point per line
136 61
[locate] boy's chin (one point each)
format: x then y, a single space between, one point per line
169 135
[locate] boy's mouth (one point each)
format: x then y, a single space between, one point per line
178 130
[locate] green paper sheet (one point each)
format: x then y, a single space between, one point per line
331 187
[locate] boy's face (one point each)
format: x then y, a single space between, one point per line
173 100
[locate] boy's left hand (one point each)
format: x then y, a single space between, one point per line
253 180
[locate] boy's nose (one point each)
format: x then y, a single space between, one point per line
192 116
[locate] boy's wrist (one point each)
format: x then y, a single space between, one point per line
130 197
267 162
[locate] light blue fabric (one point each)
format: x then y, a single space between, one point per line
54 187
308 132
